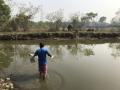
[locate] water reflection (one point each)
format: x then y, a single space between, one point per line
115 49
6 54
94 67
84 50
56 50
23 51
9 52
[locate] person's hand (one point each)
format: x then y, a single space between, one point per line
32 59
31 55
52 57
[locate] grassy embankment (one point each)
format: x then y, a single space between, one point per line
57 35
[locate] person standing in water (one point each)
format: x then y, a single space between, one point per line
42 52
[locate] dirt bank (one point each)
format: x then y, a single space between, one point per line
57 35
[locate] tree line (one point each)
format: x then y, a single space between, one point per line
22 21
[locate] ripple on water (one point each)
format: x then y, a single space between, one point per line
55 81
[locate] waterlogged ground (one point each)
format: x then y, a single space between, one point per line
76 65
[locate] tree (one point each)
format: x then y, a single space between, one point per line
91 15
50 17
102 19
75 19
22 19
69 27
84 20
4 14
55 18
58 24
115 22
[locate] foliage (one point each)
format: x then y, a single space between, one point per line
91 15
6 55
4 14
102 19
69 27
75 19
22 19
116 20
84 20
55 18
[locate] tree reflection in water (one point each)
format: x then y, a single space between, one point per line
23 51
82 49
115 49
10 53
57 51
6 54
73 49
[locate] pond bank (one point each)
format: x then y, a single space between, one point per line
57 35
6 84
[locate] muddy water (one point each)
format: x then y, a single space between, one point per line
76 66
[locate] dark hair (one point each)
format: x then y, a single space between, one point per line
41 45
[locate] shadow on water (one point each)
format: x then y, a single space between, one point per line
55 81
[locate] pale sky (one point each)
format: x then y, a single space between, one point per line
102 7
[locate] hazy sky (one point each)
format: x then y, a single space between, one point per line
102 7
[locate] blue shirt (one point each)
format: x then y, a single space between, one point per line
41 53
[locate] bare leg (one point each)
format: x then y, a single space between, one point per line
40 74
43 72
45 76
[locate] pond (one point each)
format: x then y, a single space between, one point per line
76 66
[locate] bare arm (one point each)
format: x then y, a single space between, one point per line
49 54
33 55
